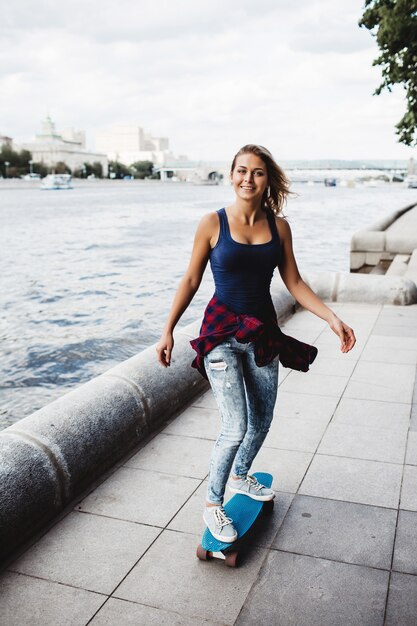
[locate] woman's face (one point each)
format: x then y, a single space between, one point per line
250 177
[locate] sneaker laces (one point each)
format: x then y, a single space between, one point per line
221 517
254 483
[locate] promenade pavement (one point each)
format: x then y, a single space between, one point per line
339 549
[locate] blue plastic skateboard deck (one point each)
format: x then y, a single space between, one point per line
244 511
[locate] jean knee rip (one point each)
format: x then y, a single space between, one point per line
219 365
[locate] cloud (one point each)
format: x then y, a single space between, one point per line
292 75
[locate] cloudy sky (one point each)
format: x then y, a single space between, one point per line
293 75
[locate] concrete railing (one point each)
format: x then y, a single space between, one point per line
384 239
50 457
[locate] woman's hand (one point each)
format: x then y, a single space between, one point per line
164 349
344 332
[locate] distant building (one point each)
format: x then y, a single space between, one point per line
51 147
6 141
129 143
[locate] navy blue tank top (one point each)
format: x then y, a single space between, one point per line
243 272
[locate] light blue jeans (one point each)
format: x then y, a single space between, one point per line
245 394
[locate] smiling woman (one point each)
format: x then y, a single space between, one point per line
240 344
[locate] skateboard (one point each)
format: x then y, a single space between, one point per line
244 511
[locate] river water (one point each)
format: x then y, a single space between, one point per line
88 275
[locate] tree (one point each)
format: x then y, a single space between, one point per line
142 169
97 169
18 162
396 35
119 169
62 168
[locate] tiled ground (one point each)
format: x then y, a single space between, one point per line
339 549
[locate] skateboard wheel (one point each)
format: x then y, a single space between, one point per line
231 559
268 507
202 553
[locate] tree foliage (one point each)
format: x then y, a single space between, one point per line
18 162
396 35
142 169
118 170
88 169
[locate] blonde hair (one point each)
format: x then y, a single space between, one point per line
278 182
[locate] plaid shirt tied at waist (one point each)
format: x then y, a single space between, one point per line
220 322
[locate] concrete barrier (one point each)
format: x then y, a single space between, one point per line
393 234
367 288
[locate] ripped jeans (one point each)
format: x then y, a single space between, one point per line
245 394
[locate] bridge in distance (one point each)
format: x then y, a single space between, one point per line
300 171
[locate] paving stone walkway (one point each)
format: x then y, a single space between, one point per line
340 548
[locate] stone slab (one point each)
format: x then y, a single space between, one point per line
294 434
400 318
28 601
332 366
395 330
87 551
402 600
413 418
305 406
382 355
174 454
391 382
409 488
373 413
183 580
340 531
405 551
122 613
196 422
411 454
288 467
206 400
392 343
294 590
316 384
364 442
140 496
353 480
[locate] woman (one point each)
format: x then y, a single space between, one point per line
240 344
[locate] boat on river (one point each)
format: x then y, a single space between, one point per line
57 181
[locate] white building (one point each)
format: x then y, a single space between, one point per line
129 143
51 147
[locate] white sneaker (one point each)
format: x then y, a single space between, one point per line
220 526
249 486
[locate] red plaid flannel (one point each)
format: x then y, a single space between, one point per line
220 322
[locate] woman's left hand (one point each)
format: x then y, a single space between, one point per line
344 332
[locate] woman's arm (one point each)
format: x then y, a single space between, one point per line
188 286
302 292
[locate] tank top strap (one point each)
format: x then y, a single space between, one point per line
273 225
223 223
